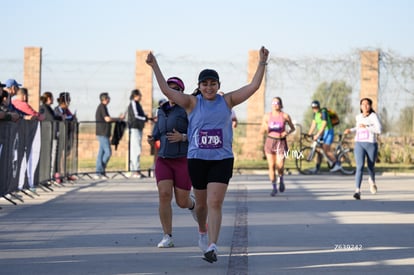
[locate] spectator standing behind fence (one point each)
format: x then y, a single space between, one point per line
47 110
10 90
103 133
12 86
5 113
19 102
275 147
62 110
3 97
367 128
171 168
210 134
136 123
66 115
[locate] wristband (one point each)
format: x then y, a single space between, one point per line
264 63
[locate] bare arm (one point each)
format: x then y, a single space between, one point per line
238 96
376 126
290 123
312 128
185 101
320 132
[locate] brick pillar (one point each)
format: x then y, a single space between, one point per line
255 111
370 76
32 74
143 82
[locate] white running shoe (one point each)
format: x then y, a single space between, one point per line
372 186
203 241
166 242
137 176
337 167
193 212
211 253
100 177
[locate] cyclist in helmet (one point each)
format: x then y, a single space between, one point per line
324 133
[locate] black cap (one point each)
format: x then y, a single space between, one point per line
2 85
315 104
208 74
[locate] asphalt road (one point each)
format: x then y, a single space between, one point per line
314 227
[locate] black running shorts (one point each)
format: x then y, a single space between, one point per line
204 171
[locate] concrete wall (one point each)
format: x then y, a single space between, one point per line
370 76
253 144
33 74
143 82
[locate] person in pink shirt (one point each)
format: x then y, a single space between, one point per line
20 103
276 147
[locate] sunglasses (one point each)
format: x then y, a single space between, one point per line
276 103
176 88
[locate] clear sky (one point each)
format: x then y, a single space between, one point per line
89 46
219 29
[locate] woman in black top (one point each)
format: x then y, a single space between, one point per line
50 122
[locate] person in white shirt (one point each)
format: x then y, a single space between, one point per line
368 127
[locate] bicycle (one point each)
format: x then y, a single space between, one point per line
306 160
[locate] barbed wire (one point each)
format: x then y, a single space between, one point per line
293 79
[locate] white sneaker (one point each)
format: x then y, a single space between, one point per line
211 253
193 212
137 176
100 177
166 242
337 167
203 241
372 186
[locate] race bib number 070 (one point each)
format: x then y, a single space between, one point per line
210 139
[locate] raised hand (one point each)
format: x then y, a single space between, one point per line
264 54
151 59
